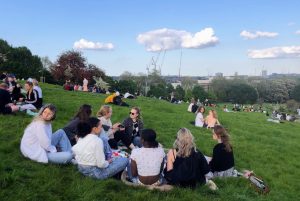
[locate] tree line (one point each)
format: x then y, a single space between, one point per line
73 66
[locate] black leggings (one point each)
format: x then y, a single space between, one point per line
120 135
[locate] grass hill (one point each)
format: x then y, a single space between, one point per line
271 150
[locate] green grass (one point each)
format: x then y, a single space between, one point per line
271 150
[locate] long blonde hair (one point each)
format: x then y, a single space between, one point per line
184 143
104 110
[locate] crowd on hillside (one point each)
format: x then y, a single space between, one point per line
96 145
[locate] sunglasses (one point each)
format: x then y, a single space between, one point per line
131 113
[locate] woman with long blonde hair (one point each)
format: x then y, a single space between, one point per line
212 119
186 166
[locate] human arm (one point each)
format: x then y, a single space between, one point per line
171 156
99 154
44 133
134 170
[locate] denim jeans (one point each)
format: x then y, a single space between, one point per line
136 141
107 149
60 139
117 165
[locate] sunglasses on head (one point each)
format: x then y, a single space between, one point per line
131 113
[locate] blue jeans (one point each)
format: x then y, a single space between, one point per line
117 165
60 140
136 141
107 148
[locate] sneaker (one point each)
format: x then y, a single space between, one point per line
211 185
74 162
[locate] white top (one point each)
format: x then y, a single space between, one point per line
127 94
148 160
199 121
39 90
190 107
36 141
298 110
107 122
89 151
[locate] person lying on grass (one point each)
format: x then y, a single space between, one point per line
186 166
39 144
147 162
222 161
89 152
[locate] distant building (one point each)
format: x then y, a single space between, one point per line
219 74
205 83
264 73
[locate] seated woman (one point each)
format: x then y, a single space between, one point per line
108 131
147 162
130 136
186 166
39 144
212 119
40 92
89 152
199 121
31 99
222 161
83 114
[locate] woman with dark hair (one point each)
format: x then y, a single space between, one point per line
199 121
222 161
89 152
39 144
147 162
83 114
31 99
186 166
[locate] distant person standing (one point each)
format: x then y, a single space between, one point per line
298 110
85 84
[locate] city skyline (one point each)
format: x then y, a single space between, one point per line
199 38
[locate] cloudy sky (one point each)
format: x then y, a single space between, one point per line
206 37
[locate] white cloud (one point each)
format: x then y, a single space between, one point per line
169 39
258 34
291 23
89 45
275 52
298 32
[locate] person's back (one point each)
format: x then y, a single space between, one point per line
222 160
187 171
4 100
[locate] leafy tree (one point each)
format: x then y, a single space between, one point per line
19 61
99 82
199 93
188 95
179 92
296 93
242 93
188 83
126 86
69 65
158 90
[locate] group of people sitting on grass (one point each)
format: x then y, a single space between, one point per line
12 98
90 143
210 121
